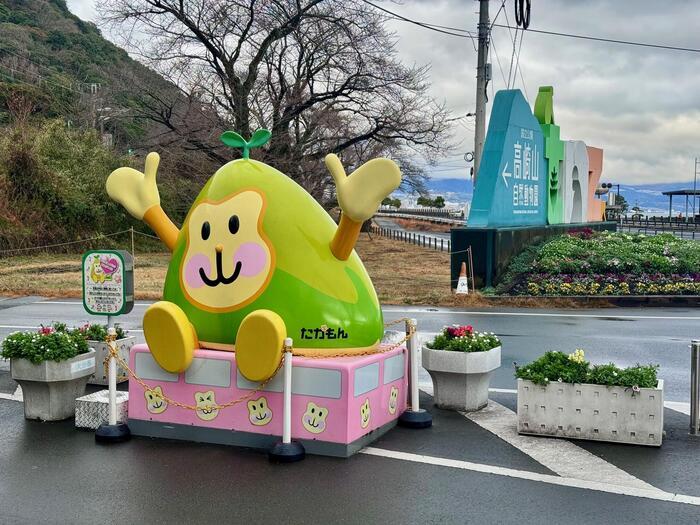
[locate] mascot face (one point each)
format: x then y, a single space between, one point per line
228 261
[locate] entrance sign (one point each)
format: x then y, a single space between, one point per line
108 282
511 187
529 176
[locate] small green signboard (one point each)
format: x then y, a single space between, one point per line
108 282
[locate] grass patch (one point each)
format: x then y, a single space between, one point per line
402 274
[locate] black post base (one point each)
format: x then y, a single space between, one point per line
112 433
420 419
287 452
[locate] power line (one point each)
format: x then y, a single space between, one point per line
453 31
608 40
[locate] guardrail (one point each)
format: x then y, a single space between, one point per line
418 239
428 218
654 226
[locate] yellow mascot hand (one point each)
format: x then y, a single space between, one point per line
361 193
134 190
359 196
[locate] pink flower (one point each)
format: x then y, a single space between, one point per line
46 330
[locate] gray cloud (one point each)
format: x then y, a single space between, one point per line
641 105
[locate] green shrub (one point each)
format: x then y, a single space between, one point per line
47 344
98 332
573 368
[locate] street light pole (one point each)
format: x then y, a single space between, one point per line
481 81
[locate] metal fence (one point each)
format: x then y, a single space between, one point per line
418 239
656 225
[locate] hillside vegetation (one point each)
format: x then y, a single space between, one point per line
61 86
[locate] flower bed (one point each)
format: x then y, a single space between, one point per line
49 343
464 339
605 263
573 368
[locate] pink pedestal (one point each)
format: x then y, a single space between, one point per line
329 401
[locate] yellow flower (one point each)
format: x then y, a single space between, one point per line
577 356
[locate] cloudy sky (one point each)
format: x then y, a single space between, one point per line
641 105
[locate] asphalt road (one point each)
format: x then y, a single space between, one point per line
454 472
624 335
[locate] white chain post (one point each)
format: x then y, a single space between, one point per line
414 417
413 356
286 450
287 416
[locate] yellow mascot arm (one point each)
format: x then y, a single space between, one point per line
138 193
359 196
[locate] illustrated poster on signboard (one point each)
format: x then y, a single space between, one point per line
108 285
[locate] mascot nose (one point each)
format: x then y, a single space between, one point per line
219 248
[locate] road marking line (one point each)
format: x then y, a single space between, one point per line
683 408
611 316
654 494
17 396
558 455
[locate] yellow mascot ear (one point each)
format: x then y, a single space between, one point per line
361 193
134 190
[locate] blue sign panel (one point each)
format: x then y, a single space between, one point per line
511 186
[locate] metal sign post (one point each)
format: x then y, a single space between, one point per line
108 289
694 387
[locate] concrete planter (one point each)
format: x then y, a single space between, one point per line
102 351
50 388
461 379
594 412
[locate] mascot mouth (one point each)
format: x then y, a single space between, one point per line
220 278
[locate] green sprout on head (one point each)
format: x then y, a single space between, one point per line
234 140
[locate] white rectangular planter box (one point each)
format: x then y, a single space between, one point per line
594 412
93 410
101 353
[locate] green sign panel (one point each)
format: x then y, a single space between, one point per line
108 282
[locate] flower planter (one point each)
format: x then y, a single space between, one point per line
594 412
102 351
461 379
50 388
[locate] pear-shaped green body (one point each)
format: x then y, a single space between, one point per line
254 239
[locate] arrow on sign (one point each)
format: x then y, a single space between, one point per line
506 175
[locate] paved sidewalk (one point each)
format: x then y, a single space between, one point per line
455 472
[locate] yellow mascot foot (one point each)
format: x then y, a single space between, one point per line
259 344
170 336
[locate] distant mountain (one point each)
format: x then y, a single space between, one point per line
649 197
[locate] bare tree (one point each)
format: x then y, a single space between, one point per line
323 75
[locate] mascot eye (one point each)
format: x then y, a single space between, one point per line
233 224
206 230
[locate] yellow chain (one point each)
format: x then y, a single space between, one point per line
381 349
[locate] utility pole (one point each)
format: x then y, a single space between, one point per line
695 186
482 78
